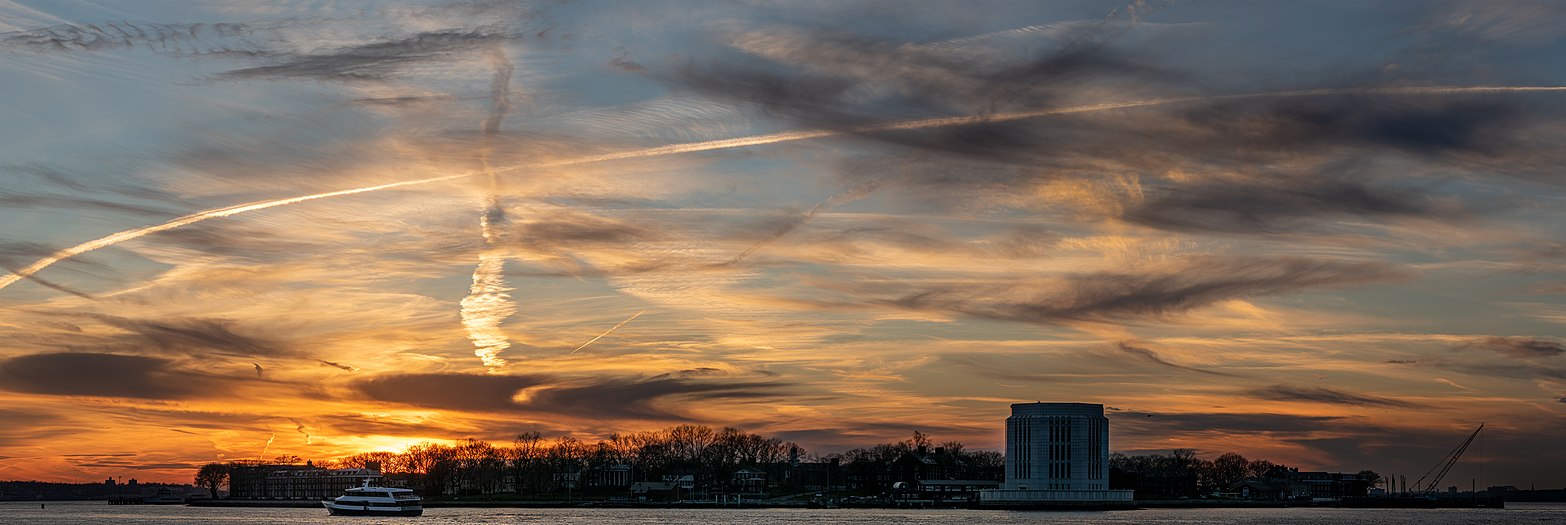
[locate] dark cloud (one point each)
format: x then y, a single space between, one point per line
649 399
1153 357
405 101
1325 395
180 39
1423 126
376 61
1400 361
1563 400
1153 423
1275 204
78 203
629 398
195 336
567 229
839 80
1295 151
106 375
1153 295
47 283
450 391
236 242
337 365
21 253
1519 347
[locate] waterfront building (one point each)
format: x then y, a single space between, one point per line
295 481
1057 454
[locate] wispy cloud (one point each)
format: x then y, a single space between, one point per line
1326 395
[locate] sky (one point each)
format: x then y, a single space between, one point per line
1328 234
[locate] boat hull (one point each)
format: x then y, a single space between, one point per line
345 510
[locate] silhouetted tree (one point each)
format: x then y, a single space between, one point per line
212 476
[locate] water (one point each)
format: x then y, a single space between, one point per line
93 513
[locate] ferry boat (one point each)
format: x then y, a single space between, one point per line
375 501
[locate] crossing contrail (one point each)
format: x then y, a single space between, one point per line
611 329
742 142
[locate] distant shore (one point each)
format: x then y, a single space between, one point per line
1146 504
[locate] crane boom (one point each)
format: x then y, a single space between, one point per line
1446 464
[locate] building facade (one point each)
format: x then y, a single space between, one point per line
1057 454
257 482
1057 446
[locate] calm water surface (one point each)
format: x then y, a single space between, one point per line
91 513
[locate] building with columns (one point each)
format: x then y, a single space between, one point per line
1057 454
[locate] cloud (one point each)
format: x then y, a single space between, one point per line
839 80
1326 396
1280 203
17 200
1153 357
1153 295
623 397
405 101
376 61
179 39
196 336
449 391
337 365
646 399
104 375
1254 165
1424 126
48 284
565 229
1153 423
1519 347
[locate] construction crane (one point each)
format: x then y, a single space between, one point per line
1445 465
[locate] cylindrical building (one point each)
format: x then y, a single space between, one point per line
1057 446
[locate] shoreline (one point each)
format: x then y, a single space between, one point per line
598 504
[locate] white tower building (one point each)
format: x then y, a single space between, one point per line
1057 455
1057 446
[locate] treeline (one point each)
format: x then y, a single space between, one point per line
874 470
701 456
1181 474
533 464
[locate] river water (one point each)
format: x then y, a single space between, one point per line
97 512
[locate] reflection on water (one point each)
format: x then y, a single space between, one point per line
97 512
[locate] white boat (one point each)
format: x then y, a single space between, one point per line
375 501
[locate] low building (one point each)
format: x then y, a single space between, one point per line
1271 489
748 481
274 482
1333 485
942 492
646 491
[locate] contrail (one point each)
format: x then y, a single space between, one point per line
758 140
51 285
488 303
268 445
611 329
847 196
300 428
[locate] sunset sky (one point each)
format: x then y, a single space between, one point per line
1329 234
